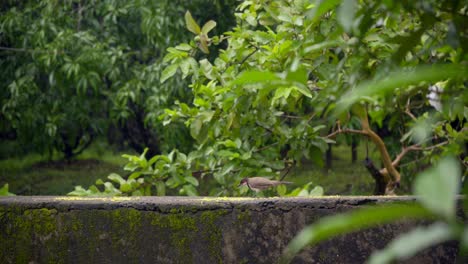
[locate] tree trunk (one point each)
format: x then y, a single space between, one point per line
328 158
354 154
380 180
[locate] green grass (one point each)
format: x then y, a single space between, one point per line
34 174
344 178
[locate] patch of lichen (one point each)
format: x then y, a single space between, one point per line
29 233
48 234
212 232
243 216
182 230
126 228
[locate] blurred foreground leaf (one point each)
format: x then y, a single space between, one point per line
329 227
401 79
438 187
410 243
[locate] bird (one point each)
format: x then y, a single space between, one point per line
259 183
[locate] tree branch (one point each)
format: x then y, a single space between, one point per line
414 147
408 110
347 131
266 147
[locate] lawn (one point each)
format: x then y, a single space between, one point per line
34 174
344 178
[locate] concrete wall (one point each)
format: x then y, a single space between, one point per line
185 230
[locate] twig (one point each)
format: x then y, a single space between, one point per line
288 169
414 147
265 127
347 131
266 147
242 61
408 110
291 116
248 56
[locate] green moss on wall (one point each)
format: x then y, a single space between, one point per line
213 233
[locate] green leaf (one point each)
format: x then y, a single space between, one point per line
185 68
318 47
299 75
207 68
190 190
303 90
160 188
184 47
191 25
192 180
317 191
79 191
438 187
4 191
208 27
203 44
323 7
332 226
346 13
408 244
195 127
169 72
282 92
135 175
99 182
255 76
401 79
116 178
125 187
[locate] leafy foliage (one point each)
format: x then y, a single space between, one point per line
292 71
75 70
148 177
291 68
428 186
4 191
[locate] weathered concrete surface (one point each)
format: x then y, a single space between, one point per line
186 230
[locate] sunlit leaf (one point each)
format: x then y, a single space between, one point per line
320 9
303 90
255 76
116 178
203 44
195 127
316 191
169 72
4 191
208 27
192 26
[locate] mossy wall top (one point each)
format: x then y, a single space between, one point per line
185 230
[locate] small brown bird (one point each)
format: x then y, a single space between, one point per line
259 183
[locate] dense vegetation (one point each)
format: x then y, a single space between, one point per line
207 103
273 94
295 76
75 71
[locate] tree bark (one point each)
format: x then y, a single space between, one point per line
354 154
